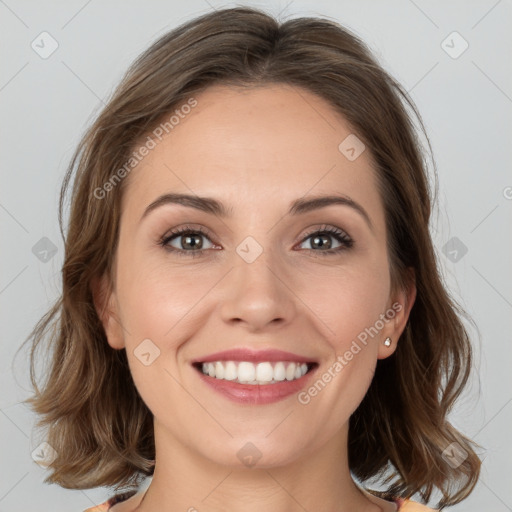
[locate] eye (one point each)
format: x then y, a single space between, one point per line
185 240
320 240
188 241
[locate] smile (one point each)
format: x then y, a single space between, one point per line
263 373
250 383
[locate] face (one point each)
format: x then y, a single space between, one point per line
258 280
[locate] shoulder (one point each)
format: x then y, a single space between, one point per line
107 505
413 506
103 507
404 505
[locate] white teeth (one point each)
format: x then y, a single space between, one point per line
245 372
290 371
280 371
219 370
264 372
230 371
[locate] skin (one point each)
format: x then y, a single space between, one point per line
256 151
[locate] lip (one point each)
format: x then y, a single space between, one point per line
256 394
254 356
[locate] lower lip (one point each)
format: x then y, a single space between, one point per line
256 394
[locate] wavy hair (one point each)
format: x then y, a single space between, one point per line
93 416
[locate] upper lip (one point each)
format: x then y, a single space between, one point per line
255 356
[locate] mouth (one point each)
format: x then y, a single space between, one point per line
262 373
251 377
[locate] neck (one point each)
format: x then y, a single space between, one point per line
184 479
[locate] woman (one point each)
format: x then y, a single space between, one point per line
252 312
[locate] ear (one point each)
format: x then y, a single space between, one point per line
105 303
399 308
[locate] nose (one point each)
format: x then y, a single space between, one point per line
258 295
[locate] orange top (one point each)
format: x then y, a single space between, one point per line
402 505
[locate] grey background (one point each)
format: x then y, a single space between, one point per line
466 103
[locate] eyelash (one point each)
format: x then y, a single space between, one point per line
185 230
336 233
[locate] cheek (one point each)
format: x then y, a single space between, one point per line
156 298
348 301
158 311
351 306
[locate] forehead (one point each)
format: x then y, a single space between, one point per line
274 143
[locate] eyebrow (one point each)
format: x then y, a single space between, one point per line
215 207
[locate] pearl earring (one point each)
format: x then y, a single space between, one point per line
387 342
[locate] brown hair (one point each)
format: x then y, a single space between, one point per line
96 421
